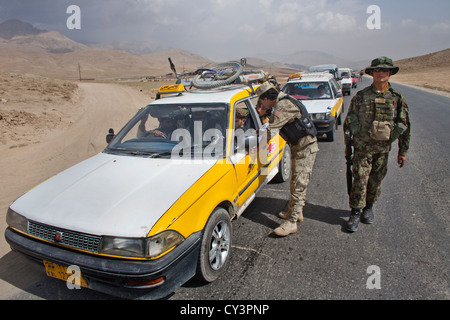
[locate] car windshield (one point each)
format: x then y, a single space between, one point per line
178 130
308 90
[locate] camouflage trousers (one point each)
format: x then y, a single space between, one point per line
369 169
302 163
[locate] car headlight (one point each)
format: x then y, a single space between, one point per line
322 116
140 247
162 242
16 221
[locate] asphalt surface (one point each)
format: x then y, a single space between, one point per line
402 255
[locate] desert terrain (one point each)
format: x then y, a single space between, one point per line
431 71
50 120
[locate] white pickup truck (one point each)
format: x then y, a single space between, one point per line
345 79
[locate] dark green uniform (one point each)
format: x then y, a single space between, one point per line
370 155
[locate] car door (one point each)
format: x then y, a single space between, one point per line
255 158
245 152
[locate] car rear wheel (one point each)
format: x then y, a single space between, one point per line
216 246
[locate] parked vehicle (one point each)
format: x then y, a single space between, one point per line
354 80
331 68
345 80
322 97
155 207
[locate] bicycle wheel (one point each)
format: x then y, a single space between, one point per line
219 75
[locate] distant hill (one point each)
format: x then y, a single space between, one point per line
51 42
307 58
430 71
25 49
439 59
13 28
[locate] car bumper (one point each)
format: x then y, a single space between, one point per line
324 126
119 277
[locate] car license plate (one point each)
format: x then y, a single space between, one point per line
60 272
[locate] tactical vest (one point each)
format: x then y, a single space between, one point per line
377 107
293 131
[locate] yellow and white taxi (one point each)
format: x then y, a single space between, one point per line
322 97
155 207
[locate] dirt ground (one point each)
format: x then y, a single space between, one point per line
48 125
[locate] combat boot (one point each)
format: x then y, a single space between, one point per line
286 228
367 214
353 221
284 215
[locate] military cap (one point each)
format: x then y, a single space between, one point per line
263 88
241 113
382 62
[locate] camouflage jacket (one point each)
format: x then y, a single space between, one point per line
362 110
285 111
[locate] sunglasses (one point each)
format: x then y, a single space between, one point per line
381 69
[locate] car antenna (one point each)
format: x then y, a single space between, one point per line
172 66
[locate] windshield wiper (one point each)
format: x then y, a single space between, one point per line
160 154
150 154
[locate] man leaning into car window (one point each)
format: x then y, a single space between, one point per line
303 152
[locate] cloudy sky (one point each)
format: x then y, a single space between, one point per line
230 29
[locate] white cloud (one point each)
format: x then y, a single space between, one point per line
265 3
333 23
443 27
408 23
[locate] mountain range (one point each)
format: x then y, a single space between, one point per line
26 49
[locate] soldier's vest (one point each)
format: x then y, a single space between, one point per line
376 112
293 131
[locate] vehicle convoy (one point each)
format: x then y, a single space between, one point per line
345 79
354 80
322 97
331 68
154 208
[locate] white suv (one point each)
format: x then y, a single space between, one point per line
345 77
322 97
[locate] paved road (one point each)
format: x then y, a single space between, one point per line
408 243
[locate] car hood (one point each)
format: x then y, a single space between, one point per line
319 106
110 194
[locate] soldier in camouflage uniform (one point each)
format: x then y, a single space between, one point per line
303 153
378 115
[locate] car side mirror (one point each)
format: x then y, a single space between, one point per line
110 135
339 95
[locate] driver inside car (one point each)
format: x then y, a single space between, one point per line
166 126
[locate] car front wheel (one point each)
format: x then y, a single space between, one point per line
216 246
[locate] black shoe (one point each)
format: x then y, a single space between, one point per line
353 221
367 214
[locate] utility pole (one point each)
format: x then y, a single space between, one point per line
79 71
